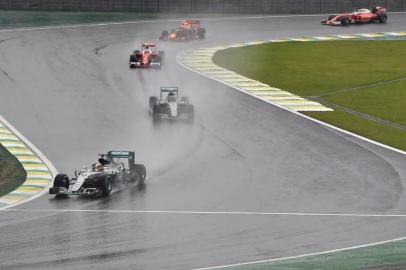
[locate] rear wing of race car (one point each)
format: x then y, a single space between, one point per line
167 90
188 24
121 154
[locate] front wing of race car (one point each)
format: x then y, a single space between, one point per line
326 22
80 192
183 116
141 65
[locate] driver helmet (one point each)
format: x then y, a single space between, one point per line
171 97
99 167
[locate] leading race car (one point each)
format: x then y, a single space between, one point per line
100 178
169 107
146 57
190 29
361 15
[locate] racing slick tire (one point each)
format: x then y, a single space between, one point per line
152 101
201 33
105 184
140 173
345 21
156 114
61 180
164 35
383 18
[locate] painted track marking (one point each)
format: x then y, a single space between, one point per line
182 212
299 256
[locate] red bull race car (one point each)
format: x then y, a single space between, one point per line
146 57
190 29
361 15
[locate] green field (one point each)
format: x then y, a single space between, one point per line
19 18
364 81
390 256
12 173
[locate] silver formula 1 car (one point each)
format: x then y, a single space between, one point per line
100 178
170 107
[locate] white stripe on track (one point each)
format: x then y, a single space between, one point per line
299 256
302 214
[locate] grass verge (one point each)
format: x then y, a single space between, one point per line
363 80
12 173
26 18
388 256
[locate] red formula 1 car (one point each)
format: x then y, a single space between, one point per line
146 57
361 15
190 29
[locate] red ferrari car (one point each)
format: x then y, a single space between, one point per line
361 15
146 57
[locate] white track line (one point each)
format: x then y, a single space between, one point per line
300 256
303 214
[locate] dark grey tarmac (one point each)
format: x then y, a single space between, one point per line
70 92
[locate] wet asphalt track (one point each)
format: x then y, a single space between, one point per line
70 92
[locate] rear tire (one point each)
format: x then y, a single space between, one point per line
345 21
201 33
383 18
106 186
165 35
141 174
152 101
61 180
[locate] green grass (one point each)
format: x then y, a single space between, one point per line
381 101
12 173
314 68
14 18
384 256
318 69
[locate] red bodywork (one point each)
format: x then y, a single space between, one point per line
146 57
378 14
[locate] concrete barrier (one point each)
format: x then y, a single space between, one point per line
206 6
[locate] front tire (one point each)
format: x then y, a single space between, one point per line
61 180
383 18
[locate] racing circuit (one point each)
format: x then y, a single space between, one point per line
249 181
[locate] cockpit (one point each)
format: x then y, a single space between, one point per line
361 11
